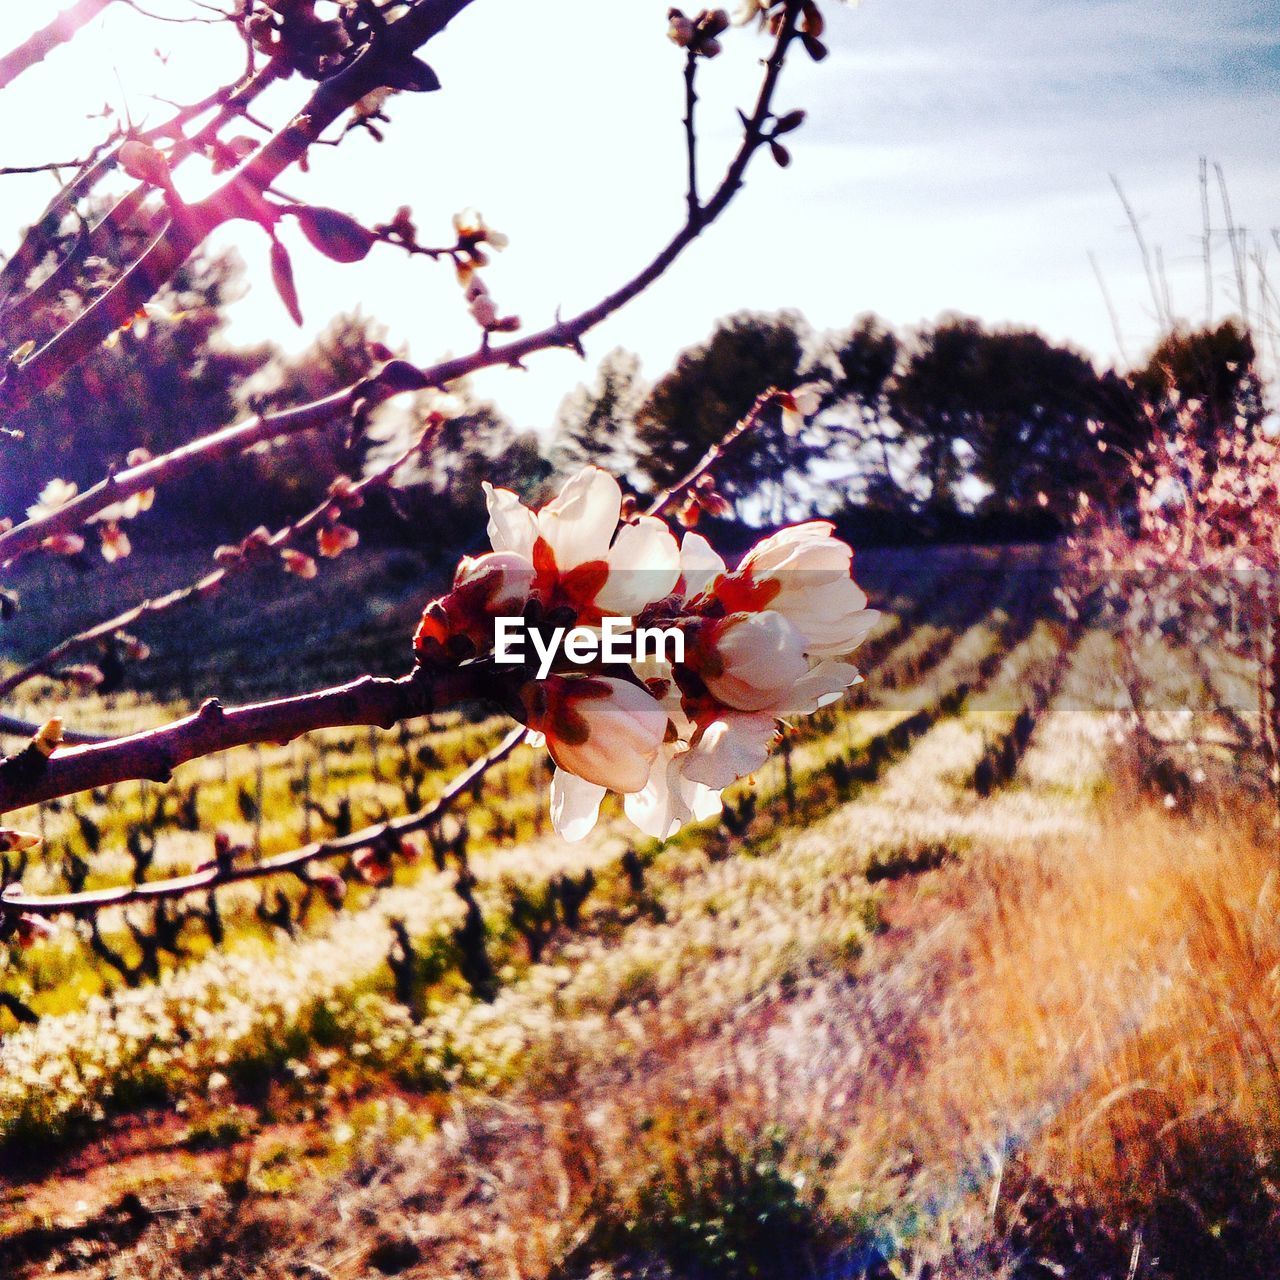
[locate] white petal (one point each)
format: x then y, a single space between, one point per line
575 805
763 657
669 799
704 801
508 576
824 684
644 563
580 523
769 552
650 808
700 564
512 526
625 732
830 628
732 747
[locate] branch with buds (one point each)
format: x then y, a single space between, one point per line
398 376
767 639
41 771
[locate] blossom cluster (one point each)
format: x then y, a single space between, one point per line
764 641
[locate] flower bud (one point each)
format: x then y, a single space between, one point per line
33 929
298 563
115 542
750 661
600 729
336 538
373 866
64 544
144 163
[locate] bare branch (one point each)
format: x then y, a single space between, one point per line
390 382
29 778
17 314
690 133
713 455
11 726
294 862
47 39
239 197
212 581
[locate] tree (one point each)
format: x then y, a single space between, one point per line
292 474
442 492
597 423
1217 367
345 61
859 366
714 383
1004 408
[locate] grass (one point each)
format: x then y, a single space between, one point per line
883 1023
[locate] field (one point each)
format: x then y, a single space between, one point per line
974 978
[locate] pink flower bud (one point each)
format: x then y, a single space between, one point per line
600 729
298 563
336 538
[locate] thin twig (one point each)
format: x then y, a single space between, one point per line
13 171
210 582
690 133
714 453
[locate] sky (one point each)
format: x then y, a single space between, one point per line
956 157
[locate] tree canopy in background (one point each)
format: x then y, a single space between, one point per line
954 419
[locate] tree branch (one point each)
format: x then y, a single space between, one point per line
294 862
13 727
238 197
746 423
690 133
212 581
387 384
47 39
21 312
30 778
86 903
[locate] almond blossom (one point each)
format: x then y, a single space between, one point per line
604 734
578 554
765 641
804 574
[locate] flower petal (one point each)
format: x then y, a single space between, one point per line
669 799
824 684
730 748
579 524
644 564
512 526
605 730
700 564
575 805
760 658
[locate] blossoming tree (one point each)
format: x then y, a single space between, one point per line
767 639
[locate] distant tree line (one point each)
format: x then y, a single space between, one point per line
952 430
